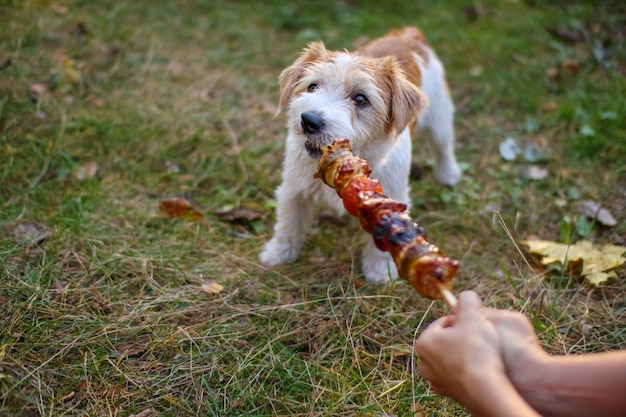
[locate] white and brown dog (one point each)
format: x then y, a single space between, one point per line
376 97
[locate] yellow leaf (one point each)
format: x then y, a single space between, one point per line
212 287
597 263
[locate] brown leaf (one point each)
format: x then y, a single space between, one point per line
31 233
6 64
146 412
178 207
39 88
175 67
212 287
565 34
553 73
239 215
238 403
68 397
550 106
130 349
79 30
571 65
472 13
59 9
418 410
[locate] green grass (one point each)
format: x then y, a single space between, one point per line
106 316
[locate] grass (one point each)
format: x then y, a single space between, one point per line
106 108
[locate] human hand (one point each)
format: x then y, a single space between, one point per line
522 353
457 351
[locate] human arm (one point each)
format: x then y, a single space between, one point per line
572 385
461 357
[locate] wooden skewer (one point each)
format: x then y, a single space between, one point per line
448 297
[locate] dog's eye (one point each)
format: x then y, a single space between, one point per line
312 87
360 100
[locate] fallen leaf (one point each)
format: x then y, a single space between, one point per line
532 154
553 73
212 287
472 13
597 263
68 397
86 171
172 167
130 349
178 207
96 102
418 410
238 215
39 88
600 51
509 149
566 34
79 30
175 67
59 9
69 74
238 403
587 130
31 233
289 299
534 172
146 412
36 92
6 64
476 71
593 210
571 65
550 105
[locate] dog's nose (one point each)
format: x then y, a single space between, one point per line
311 122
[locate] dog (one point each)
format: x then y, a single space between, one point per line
377 97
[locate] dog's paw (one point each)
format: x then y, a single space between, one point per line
379 268
276 252
448 174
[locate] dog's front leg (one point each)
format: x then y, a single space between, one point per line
378 266
293 215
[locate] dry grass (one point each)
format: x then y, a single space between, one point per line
106 313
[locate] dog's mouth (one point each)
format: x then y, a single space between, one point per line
313 149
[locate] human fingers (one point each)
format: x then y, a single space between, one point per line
448 321
429 336
517 335
439 374
438 323
469 306
510 323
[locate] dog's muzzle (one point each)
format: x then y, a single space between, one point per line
311 122
312 125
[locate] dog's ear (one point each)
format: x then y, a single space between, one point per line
288 79
407 100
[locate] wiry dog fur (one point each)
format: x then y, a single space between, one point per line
376 97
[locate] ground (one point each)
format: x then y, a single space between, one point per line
111 307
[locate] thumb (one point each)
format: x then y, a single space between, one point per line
469 306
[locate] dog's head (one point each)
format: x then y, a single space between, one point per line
340 94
